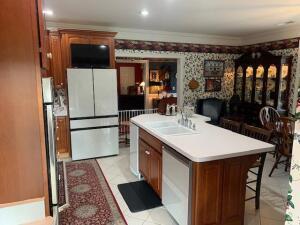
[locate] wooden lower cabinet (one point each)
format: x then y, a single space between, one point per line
217 188
150 161
144 159
155 175
62 136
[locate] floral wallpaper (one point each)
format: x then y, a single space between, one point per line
193 67
194 63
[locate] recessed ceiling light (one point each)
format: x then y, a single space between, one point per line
144 12
48 12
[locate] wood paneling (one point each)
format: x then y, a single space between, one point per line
207 193
22 143
218 191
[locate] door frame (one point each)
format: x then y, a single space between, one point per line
146 54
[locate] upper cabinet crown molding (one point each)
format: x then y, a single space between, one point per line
87 33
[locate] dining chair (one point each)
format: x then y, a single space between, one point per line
232 125
269 117
262 135
285 132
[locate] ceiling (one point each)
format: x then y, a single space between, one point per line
235 18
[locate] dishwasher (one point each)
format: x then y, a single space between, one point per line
176 184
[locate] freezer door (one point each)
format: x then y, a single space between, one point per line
94 143
105 88
80 92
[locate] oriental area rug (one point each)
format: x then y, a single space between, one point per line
91 201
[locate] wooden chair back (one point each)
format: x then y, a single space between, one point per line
269 117
232 125
163 104
286 128
256 132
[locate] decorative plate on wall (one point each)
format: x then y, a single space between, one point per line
193 84
214 68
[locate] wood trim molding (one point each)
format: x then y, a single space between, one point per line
88 32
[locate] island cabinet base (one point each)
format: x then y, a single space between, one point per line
218 191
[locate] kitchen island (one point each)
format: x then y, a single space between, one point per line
199 174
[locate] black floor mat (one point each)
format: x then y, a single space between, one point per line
139 196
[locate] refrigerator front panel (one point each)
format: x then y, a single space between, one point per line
94 143
106 95
80 92
47 84
98 122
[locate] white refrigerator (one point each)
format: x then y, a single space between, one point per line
93 111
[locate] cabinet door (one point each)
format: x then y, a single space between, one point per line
56 60
66 40
144 154
155 171
62 143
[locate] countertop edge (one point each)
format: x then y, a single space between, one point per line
204 159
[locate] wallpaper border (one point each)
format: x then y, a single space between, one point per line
202 48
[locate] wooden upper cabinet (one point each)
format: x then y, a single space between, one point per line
86 37
56 68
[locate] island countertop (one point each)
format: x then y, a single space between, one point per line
208 143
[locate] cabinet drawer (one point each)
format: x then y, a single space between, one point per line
150 140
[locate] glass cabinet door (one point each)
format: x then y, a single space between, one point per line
239 82
283 87
271 86
248 84
259 84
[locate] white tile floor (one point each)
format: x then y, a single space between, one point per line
273 195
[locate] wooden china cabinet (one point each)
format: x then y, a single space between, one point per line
262 79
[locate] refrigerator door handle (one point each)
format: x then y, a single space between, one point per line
52 153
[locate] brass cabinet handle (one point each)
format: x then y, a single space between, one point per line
147 152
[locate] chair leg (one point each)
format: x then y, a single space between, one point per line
287 162
275 165
258 182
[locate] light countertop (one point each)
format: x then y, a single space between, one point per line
208 143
